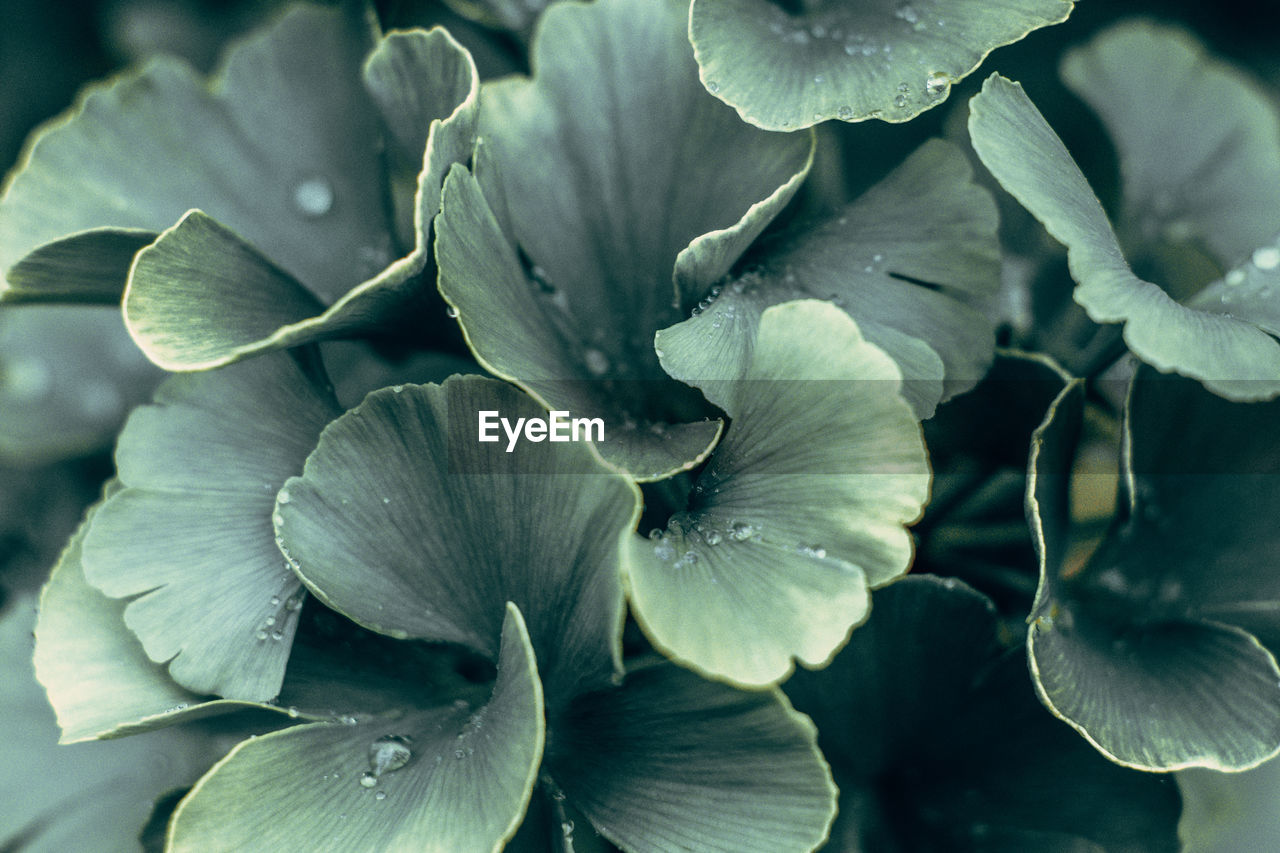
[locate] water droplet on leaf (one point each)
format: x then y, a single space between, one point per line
389 753
313 197
1267 258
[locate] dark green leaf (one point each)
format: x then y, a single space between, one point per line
405 522
937 741
672 762
1146 649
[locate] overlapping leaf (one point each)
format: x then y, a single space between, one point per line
1233 355
1152 649
672 762
542 527
139 151
443 778
593 179
83 797
401 486
801 508
938 743
785 68
286 160
189 538
1199 142
914 260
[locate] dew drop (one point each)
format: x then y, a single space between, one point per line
459 754
713 537
819 79
1267 258
275 601
381 795
284 497
261 635
451 312
293 711
368 780
597 362
1235 277
937 84
900 101
27 379
389 753
313 197
814 551
713 87
277 635
740 532
845 113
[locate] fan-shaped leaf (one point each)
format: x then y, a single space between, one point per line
596 177
190 538
800 509
1233 356
887 59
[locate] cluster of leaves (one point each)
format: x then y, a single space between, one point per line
420 640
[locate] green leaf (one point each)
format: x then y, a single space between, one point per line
1199 142
1164 696
541 526
669 761
427 91
801 508
202 297
68 376
189 538
937 741
102 684
521 338
90 796
283 130
86 267
914 260
1232 356
587 207
1151 650
200 291
890 60
464 786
